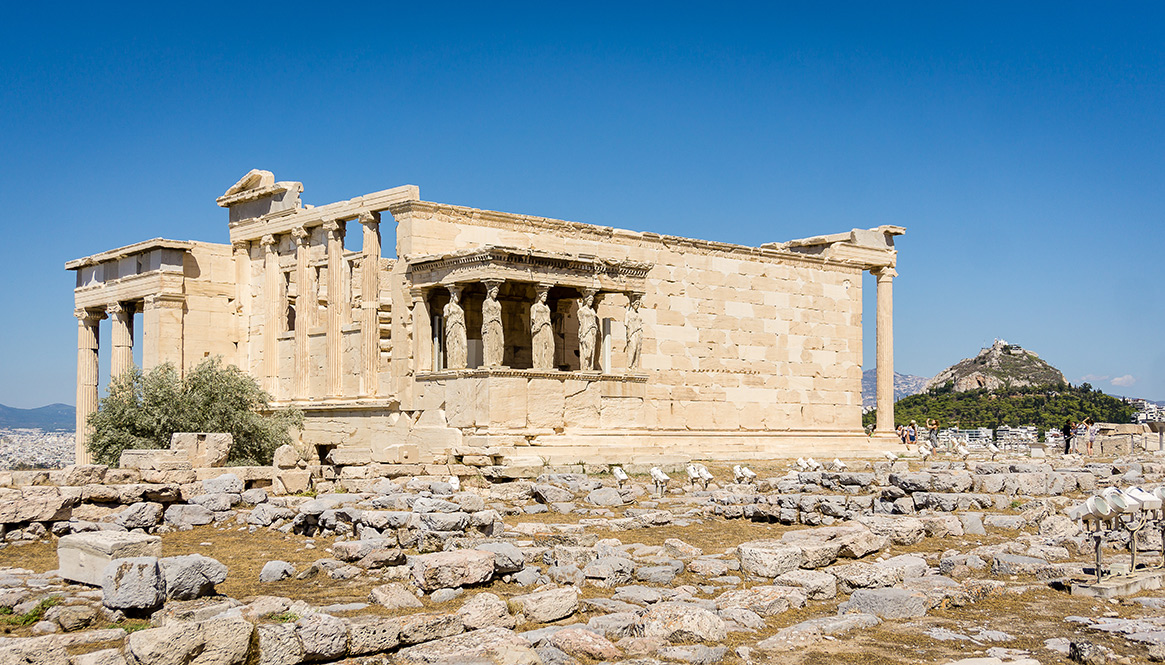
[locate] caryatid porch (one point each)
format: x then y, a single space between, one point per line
501 309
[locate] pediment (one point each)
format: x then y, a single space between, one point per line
255 179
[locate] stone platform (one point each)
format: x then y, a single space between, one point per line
1120 586
83 556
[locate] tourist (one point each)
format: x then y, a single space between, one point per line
1088 429
902 434
932 433
911 434
1068 431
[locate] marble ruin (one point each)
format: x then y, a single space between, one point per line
511 336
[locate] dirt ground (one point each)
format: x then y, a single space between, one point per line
1030 618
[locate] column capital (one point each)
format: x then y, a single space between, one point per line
417 294
165 300
241 245
268 242
120 308
88 316
333 228
885 273
301 235
369 217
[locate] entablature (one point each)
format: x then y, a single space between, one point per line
527 265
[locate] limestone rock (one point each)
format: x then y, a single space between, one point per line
278 644
184 516
191 576
549 605
818 585
763 600
275 571
452 569
768 558
418 628
507 558
486 610
605 496
227 483
889 603
133 584
394 597
582 643
679 622
141 515
83 556
495 646
213 642
324 637
372 634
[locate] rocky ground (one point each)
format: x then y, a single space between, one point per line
919 562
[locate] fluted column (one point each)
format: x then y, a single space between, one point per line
335 231
885 349
242 257
370 304
88 342
271 312
422 332
302 302
121 358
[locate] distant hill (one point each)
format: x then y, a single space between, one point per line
904 385
1002 365
51 418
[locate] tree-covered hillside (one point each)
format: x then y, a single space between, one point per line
1046 407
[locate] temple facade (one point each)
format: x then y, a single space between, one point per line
490 335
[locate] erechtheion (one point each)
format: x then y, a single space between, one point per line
489 333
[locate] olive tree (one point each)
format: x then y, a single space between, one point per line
143 409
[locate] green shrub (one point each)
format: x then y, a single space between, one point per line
143 410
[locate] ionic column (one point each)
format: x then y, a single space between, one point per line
370 304
121 359
271 311
242 256
422 332
302 246
335 232
885 349
88 341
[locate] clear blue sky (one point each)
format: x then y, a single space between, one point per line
1021 144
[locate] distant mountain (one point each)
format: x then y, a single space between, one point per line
904 385
51 418
1002 365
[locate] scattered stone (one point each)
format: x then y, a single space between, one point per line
275 571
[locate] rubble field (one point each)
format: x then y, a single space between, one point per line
905 561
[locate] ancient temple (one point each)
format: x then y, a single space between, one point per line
504 335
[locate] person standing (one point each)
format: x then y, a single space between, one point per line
1093 429
932 433
1069 430
912 434
902 434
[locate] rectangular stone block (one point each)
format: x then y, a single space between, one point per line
82 557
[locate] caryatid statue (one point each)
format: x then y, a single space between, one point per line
634 324
541 330
456 346
588 331
492 341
